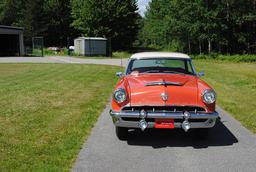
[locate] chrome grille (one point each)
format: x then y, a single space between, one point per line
191 109
153 120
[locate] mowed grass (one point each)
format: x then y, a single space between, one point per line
115 55
235 84
47 111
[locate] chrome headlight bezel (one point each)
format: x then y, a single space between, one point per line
121 92
209 96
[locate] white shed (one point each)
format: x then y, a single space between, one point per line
90 46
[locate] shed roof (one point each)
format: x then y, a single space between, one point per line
92 38
11 27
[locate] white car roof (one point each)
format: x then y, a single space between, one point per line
147 55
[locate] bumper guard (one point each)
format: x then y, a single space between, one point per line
210 119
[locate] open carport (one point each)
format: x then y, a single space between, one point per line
11 41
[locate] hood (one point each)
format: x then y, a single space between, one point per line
148 89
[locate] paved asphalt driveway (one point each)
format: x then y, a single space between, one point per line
62 59
230 146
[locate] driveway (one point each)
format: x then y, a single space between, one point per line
63 59
230 147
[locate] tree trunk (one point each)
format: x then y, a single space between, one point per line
200 47
227 17
189 46
248 48
209 46
219 47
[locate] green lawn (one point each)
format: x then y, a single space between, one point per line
115 55
235 84
47 111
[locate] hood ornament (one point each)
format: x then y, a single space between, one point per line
164 96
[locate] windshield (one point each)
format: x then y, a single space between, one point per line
161 65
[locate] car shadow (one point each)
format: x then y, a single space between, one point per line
219 135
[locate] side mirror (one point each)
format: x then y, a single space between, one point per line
119 74
200 74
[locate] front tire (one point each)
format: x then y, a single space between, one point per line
122 133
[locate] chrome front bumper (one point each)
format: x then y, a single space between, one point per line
210 119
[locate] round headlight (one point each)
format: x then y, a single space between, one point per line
119 95
209 96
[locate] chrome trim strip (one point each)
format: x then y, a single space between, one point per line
161 105
163 83
134 124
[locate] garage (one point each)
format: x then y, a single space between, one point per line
11 41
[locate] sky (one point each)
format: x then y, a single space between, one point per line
142 6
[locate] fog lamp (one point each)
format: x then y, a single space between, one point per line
143 124
186 126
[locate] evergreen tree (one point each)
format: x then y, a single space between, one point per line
114 19
197 26
48 18
10 12
59 21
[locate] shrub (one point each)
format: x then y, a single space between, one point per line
234 58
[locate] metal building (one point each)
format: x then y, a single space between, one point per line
90 46
11 41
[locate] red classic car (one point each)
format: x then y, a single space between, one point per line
162 90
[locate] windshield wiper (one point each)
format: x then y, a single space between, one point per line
173 72
161 71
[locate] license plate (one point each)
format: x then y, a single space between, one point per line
164 123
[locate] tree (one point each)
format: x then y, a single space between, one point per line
226 26
33 19
10 12
48 18
58 23
114 19
157 23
